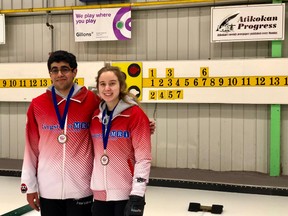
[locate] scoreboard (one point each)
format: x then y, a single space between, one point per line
244 81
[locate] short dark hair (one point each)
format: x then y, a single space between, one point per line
61 55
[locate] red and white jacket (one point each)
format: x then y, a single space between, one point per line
129 152
55 170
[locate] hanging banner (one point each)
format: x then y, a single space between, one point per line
2 29
102 24
248 23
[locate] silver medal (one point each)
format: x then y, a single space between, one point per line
104 160
62 138
105 120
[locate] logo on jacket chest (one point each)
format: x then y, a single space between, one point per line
74 126
81 125
114 134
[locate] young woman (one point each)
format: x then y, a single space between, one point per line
122 145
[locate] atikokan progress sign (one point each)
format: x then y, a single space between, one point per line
248 23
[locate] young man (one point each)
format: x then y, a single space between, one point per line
58 156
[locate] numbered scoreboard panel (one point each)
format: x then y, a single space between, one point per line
32 83
255 81
245 81
25 81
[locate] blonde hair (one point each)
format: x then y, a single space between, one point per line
122 82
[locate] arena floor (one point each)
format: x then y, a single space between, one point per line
168 201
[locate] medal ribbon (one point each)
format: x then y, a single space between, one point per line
63 119
106 129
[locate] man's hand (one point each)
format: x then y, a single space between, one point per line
33 200
135 206
152 126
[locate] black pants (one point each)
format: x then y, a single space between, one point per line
67 207
109 208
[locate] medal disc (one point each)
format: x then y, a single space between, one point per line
62 138
104 159
105 120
